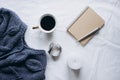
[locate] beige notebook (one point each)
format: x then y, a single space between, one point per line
86 24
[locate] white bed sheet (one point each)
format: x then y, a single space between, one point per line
100 58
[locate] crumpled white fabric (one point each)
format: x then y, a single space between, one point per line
100 58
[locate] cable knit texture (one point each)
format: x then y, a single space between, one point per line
17 60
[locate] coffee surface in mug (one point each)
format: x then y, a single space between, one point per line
47 22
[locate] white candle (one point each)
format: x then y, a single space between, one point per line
74 63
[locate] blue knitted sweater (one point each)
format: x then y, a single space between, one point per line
17 60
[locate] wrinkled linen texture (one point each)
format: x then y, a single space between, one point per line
17 60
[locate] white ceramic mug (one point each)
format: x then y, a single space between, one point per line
47 23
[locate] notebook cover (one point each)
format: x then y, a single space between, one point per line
87 22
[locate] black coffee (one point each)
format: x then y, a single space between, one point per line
47 22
